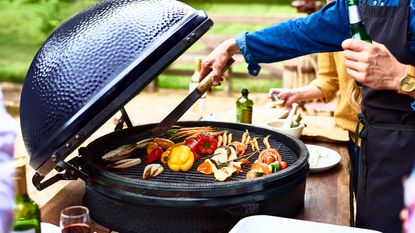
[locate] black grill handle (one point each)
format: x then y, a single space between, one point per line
72 171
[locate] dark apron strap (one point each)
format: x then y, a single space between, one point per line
362 161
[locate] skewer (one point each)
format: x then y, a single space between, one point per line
242 157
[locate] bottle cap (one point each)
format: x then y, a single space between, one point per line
198 64
245 91
20 180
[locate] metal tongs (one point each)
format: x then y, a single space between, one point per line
182 108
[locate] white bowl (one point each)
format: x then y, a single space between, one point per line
277 125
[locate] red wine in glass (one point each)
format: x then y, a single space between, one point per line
75 219
76 228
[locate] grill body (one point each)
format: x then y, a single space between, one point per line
190 202
87 70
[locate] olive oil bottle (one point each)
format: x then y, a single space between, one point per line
200 106
26 211
244 107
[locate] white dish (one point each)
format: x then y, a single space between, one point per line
265 223
278 124
322 158
49 228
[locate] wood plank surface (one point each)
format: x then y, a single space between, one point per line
326 197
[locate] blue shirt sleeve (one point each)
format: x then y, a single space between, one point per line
323 31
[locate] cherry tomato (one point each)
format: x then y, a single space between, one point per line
283 165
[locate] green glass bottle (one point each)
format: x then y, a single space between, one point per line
357 28
26 211
244 107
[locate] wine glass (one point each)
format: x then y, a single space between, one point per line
75 219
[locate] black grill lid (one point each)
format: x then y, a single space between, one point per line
93 64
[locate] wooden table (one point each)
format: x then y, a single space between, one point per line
326 196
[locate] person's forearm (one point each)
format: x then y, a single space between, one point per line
309 92
231 47
322 31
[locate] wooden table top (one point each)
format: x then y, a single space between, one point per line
326 200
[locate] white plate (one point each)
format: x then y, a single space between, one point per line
265 223
322 158
49 228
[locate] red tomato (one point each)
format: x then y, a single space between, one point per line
283 165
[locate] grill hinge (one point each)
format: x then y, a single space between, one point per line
123 119
71 170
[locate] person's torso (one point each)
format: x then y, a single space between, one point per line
389 25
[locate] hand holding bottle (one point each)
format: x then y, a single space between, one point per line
373 65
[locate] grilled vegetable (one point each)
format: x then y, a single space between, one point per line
163 142
175 145
220 140
152 170
237 166
165 157
151 146
229 139
229 170
183 133
181 159
248 140
125 163
232 153
225 139
274 167
251 174
154 155
206 144
266 142
244 136
207 167
255 141
120 153
192 143
269 156
221 175
221 155
143 143
240 148
244 162
283 165
258 169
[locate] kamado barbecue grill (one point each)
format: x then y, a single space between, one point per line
86 71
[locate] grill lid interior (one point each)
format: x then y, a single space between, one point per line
93 64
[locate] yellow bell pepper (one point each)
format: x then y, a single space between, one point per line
181 159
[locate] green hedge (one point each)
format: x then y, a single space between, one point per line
25 24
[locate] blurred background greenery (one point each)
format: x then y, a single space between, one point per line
26 24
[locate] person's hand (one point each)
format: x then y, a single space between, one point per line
288 95
404 215
217 59
372 64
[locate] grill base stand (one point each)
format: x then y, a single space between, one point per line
126 217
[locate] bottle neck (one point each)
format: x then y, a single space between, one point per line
20 186
354 14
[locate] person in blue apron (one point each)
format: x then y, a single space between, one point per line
388 106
